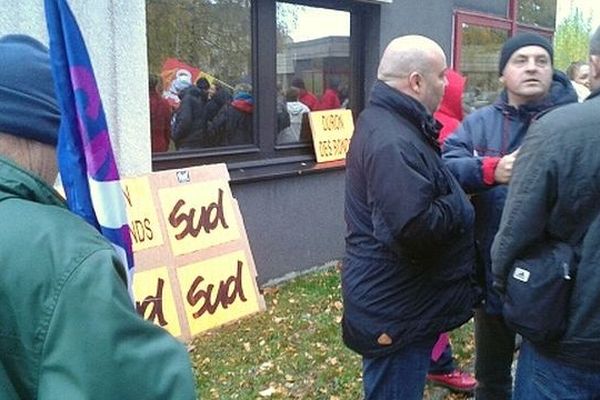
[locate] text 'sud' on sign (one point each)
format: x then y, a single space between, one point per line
217 291
331 133
203 275
199 215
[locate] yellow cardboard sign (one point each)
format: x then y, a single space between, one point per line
154 299
198 215
212 286
331 132
143 221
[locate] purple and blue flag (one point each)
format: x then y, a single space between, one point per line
86 161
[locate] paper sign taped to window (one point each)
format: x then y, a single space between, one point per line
331 133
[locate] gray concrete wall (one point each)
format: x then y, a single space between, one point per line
293 223
115 35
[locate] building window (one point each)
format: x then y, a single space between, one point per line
201 54
478 39
313 66
480 51
255 55
537 12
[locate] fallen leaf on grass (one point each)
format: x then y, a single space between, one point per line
268 392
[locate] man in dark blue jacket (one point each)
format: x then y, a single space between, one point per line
554 195
409 246
480 154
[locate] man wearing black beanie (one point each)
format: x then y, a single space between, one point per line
481 154
68 328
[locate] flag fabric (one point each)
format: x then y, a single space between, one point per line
86 162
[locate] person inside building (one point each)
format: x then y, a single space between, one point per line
555 196
189 130
579 74
233 124
330 99
408 265
68 326
481 154
218 96
296 111
305 96
160 116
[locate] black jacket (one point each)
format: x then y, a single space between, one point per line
554 189
232 125
409 245
189 129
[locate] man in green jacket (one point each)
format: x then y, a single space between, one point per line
68 329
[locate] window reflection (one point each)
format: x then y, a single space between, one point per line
313 66
201 52
479 63
538 12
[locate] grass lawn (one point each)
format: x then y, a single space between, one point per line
294 349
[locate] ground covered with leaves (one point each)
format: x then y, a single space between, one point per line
294 349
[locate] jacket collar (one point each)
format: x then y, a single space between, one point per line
595 93
16 182
561 92
408 108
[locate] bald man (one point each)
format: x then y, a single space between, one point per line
409 256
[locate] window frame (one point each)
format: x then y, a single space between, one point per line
265 157
509 23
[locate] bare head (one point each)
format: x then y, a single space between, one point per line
595 60
415 65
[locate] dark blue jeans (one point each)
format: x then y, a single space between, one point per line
400 375
543 378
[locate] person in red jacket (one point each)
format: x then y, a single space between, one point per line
442 369
305 96
160 117
450 113
330 99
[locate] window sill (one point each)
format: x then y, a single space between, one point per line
241 174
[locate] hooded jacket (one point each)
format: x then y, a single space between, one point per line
291 134
68 329
472 154
407 273
233 124
450 112
189 130
554 194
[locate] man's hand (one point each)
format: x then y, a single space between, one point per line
504 168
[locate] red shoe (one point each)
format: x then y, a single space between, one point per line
456 380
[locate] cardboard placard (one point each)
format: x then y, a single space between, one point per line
203 275
331 133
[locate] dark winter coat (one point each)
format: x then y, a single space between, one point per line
233 124
189 129
409 244
216 102
554 191
472 153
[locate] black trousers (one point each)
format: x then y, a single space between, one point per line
494 349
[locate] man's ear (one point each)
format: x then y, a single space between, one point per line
415 80
594 67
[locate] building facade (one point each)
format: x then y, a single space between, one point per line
254 51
